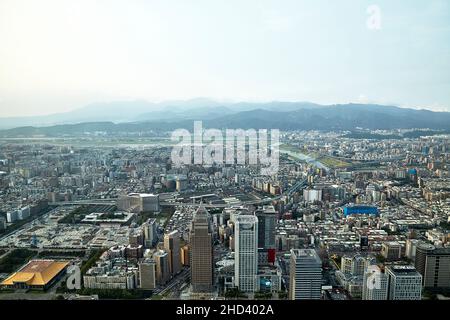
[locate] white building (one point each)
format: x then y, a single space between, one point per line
12 216
246 252
23 213
312 195
411 246
405 283
305 281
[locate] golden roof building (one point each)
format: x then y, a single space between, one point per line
36 274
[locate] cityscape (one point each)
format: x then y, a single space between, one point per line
230 158
344 218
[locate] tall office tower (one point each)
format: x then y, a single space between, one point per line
305 281
420 263
147 274
162 267
266 234
150 228
405 283
246 252
172 246
375 284
434 265
201 252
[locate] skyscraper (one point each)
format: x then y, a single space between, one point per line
172 246
405 283
434 265
305 281
147 274
246 252
266 234
201 252
150 228
162 266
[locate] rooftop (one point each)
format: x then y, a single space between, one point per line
36 272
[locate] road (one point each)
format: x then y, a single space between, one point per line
174 284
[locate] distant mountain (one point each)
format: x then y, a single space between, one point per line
337 117
281 115
139 110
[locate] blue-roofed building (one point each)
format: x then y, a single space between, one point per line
370 210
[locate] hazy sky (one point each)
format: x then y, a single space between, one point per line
57 55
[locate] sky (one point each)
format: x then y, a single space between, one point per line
59 55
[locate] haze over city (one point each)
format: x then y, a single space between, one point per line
57 56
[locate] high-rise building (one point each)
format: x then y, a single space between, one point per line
162 267
172 246
375 284
405 283
422 250
2 223
346 264
246 252
434 265
266 234
266 227
150 228
411 247
147 274
305 282
201 252
358 265
391 250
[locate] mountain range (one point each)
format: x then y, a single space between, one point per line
141 116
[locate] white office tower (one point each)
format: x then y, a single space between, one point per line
246 252
405 283
305 281
375 284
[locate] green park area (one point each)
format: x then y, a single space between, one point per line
15 259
